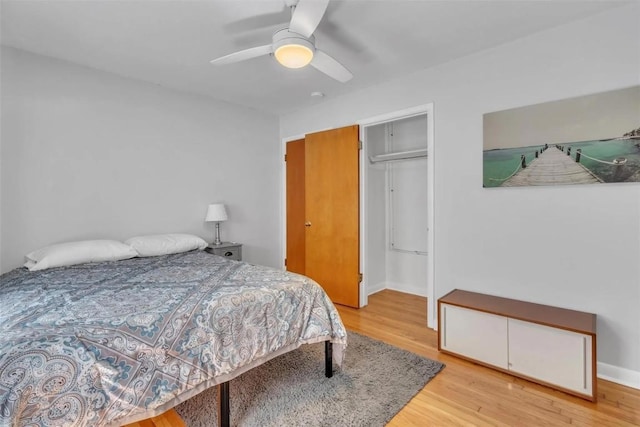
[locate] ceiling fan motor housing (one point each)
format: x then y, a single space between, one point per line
291 49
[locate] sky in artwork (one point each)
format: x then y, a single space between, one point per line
586 118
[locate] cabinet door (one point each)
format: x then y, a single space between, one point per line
474 334
552 355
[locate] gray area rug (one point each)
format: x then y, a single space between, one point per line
376 381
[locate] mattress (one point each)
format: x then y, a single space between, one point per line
116 342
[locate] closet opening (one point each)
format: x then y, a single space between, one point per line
396 199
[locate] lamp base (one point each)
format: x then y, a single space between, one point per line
217 241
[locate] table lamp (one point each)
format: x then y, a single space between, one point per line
216 213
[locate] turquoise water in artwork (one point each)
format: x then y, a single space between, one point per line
500 164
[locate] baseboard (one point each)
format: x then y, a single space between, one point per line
619 375
407 289
372 289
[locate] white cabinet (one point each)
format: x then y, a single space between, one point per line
477 335
552 355
549 345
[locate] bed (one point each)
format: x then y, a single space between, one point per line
112 343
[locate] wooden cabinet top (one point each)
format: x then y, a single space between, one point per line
572 320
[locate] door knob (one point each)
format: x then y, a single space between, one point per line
307 224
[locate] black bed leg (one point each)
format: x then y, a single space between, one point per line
223 404
328 359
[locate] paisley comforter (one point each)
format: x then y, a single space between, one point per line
116 342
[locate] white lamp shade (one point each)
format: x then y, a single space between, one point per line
216 213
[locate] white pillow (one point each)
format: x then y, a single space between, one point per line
71 253
163 244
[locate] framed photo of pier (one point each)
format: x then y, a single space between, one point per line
591 139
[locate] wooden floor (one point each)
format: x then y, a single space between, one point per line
464 394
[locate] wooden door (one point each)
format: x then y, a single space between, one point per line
332 201
295 207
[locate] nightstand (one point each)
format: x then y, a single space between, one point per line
231 250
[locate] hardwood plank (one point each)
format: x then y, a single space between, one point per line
143 423
466 394
168 419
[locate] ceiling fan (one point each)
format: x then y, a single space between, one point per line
294 46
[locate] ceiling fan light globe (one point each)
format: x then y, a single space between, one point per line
293 55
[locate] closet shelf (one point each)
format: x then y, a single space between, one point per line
400 155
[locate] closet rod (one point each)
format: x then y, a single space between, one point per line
400 155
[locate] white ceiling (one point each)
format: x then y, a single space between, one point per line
170 43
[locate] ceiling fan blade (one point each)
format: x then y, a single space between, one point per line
253 23
243 55
307 15
332 68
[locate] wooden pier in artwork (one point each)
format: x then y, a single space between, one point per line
552 167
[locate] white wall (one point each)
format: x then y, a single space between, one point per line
88 154
375 187
570 246
407 271
397 217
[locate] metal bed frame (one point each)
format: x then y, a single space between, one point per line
223 388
